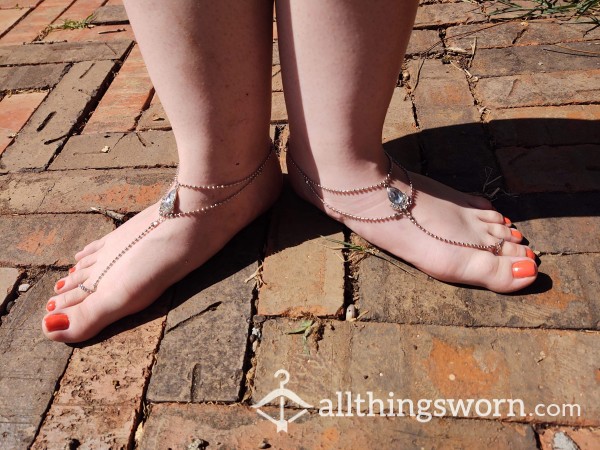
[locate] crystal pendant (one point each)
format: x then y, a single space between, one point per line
398 198
167 204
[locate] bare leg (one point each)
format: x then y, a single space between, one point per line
340 61
209 62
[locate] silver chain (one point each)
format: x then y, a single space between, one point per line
496 248
163 217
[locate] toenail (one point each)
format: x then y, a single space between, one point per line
57 322
72 269
51 305
524 269
507 221
60 284
516 233
530 253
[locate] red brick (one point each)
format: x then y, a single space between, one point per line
400 131
302 256
557 169
97 34
52 122
125 99
436 362
209 317
539 89
569 438
500 34
118 190
8 280
557 222
424 41
533 59
32 26
79 10
146 148
11 4
101 392
110 14
8 17
448 14
172 425
389 294
48 239
15 110
276 82
547 125
41 76
31 366
278 108
154 118
494 8
551 32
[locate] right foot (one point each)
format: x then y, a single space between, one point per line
166 255
441 210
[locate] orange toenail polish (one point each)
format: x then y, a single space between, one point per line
530 254
72 269
57 322
524 269
51 305
507 221
516 233
60 284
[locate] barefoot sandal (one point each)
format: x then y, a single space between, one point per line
166 210
400 202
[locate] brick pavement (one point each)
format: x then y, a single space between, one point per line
81 131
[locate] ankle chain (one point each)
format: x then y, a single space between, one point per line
166 210
400 202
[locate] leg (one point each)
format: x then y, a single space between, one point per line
209 62
340 62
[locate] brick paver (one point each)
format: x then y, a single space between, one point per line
50 125
508 108
15 110
124 101
429 362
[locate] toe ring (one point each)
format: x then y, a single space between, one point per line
86 290
497 250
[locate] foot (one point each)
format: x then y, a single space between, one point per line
441 210
166 255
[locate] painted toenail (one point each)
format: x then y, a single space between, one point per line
507 221
516 233
530 253
72 269
60 284
51 305
524 269
57 322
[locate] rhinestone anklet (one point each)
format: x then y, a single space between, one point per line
400 202
166 210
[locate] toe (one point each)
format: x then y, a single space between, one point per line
491 216
92 247
500 231
85 262
62 301
71 281
502 274
512 249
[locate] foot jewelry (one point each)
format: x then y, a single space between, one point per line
166 210
400 202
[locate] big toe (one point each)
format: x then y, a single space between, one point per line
501 274
74 323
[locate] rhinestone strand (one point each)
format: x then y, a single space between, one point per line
163 217
496 248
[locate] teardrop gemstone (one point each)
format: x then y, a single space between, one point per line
398 198
167 204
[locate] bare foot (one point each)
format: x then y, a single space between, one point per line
441 210
166 255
